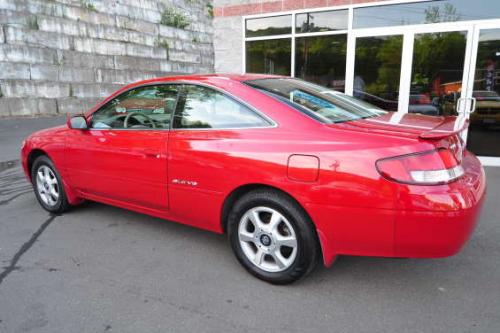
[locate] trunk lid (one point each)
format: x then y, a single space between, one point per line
442 132
409 125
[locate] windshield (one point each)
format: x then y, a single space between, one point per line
323 104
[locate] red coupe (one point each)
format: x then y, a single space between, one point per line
290 170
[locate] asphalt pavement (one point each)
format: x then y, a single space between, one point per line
103 269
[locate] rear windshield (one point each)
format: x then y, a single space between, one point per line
323 104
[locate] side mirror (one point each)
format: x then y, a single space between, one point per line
77 122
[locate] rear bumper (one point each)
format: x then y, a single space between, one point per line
431 234
427 222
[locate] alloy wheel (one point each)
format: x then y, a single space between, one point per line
267 239
47 185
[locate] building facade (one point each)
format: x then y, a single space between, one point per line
436 57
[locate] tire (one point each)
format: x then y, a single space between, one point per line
262 226
47 184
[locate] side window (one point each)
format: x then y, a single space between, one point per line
201 107
148 107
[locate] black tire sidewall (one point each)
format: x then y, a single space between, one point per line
306 241
61 201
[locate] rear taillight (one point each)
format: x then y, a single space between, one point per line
427 168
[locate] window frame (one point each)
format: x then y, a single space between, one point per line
265 117
152 84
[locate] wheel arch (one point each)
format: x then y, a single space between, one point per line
32 156
236 193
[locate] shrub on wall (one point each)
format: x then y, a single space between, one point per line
174 18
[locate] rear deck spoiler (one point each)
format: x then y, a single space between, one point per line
449 126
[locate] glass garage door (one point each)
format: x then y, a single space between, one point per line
437 72
416 70
484 89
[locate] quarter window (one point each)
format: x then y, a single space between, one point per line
144 108
202 107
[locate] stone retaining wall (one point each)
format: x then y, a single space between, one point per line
60 56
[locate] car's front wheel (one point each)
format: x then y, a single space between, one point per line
272 237
48 186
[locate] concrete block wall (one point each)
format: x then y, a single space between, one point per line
60 56
228 47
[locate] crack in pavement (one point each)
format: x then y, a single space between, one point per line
25 247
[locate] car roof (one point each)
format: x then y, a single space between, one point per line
208 78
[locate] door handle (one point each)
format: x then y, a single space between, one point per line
472 107
459 105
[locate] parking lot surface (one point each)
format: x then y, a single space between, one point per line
102 269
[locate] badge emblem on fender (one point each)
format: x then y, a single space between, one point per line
184 182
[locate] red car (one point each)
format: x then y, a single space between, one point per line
290 170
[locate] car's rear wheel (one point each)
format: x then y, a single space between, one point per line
272 237
48 186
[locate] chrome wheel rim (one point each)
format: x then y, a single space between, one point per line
47 185
267 239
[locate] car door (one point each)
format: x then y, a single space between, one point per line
122 157
210 134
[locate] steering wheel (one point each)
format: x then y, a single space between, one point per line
148 119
